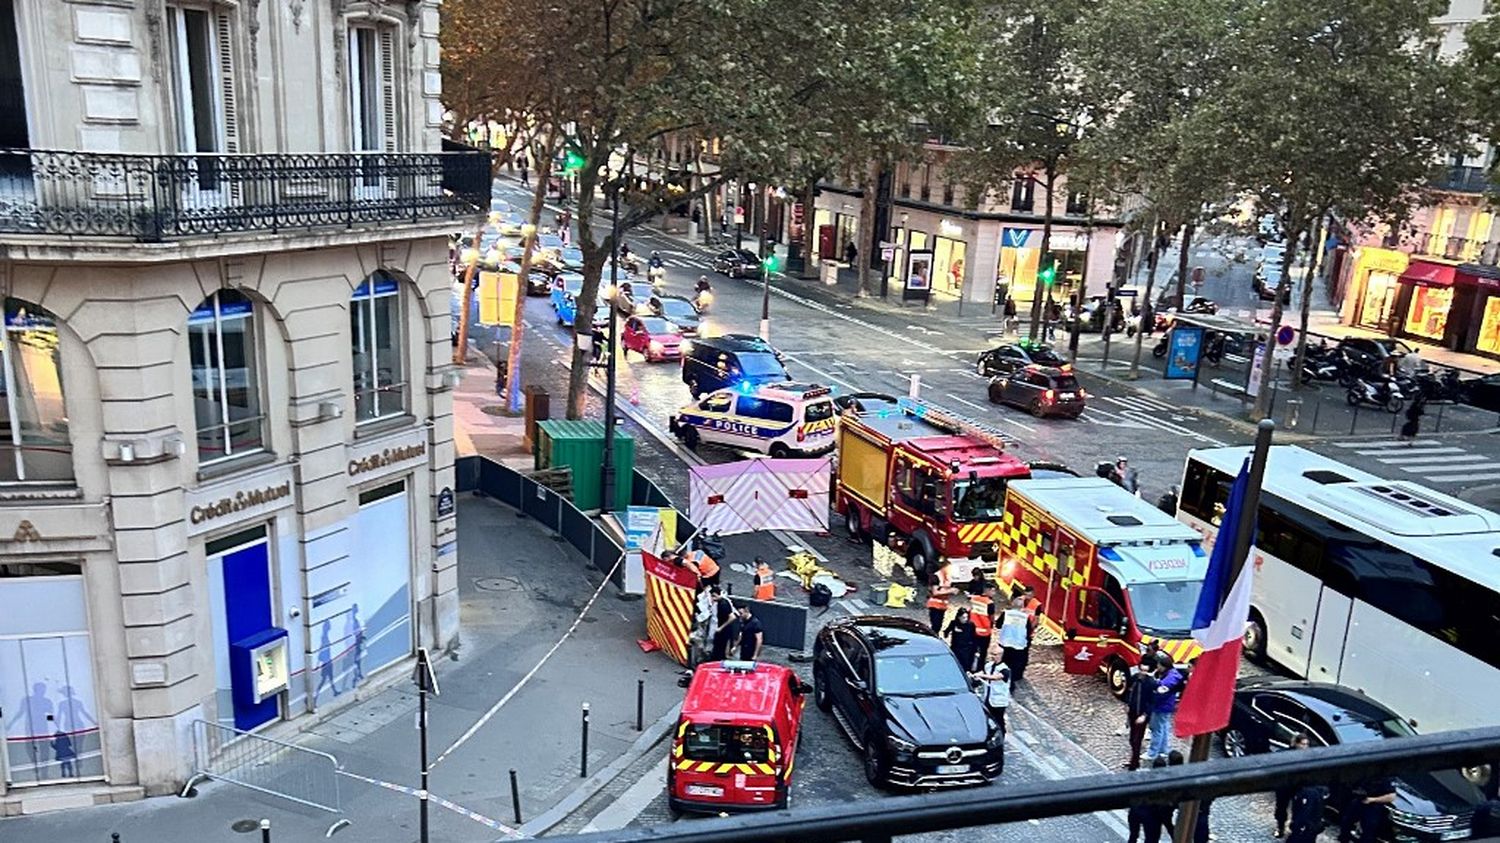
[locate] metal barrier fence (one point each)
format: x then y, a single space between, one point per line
265 765
881 819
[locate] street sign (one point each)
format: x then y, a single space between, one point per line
1285 334
445 504
422 674
1197 275
887 254
739 214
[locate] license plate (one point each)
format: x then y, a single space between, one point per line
704 790
1454 835
949 769
1066 396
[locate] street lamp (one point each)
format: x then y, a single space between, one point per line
607 470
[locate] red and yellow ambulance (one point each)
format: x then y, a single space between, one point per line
1111 572
736 738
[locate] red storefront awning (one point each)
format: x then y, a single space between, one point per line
1428 274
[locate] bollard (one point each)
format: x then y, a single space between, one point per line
640 705
1394 418
583 758
515 797
1355 421
265 831
1293 411
915 390
114 837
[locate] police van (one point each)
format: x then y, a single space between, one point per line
779 419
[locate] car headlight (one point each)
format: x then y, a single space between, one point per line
901 749
687 345
995 740
657 347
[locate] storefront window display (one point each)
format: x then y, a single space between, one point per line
1428 315
1489 327
948 264
1379 298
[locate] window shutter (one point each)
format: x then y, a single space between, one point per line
388 89
223 34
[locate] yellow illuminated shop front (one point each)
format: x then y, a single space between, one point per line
1020 257
1374 288
1431 300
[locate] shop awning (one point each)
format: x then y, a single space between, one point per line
1428 274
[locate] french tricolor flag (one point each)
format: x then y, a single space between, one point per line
1219 628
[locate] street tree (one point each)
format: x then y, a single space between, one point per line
1327 105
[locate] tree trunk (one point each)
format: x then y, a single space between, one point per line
594 255
809 231
1313 253
1182 265
864 239
1148 310
461 348
1038 293
518 323
1263 395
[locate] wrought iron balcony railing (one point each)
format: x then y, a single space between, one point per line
1462 179
1459 249
154 198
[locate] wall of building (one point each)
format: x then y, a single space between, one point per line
98 77
137 525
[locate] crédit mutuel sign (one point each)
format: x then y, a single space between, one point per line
239 501
386 457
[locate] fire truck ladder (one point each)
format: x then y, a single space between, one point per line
953 422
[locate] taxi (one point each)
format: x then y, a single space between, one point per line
779 419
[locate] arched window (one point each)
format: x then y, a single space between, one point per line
375 328
34 443
226 377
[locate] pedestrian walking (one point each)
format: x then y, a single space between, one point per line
994 685
1413 418
1308 804
982 614
1011 325
1140 699
1015 638
1164 707
1284 794
1149 820
961 638
726 624
521 165
851 253
703 626
1054 315
1367 813
752 635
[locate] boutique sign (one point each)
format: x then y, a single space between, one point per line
388 455
246 498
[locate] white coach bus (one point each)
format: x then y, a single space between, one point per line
1383 586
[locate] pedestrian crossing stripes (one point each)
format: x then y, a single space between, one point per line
1429 462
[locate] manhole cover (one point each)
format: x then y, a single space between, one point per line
497 584
498 410
245 826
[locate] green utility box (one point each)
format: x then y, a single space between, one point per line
579 445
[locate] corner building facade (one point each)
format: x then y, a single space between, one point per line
225 388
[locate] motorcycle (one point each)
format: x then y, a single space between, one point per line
1321 365
1382 393
702 299
1160 349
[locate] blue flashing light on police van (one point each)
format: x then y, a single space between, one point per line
747 387
1198 550
1109 553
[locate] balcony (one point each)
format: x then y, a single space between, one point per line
1462 179
1460 249
159 198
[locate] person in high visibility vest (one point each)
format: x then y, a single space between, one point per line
765 583
982 613
1015 638
707 567
939 589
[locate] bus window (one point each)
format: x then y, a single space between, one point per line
1278 534
1205 491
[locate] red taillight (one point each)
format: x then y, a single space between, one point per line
1051 394
801 434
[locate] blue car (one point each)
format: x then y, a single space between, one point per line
569 311
565 285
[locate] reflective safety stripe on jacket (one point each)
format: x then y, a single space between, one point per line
937 596
765 585
707 567
980 615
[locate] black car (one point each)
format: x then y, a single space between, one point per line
1042 390
1482 392
678 310
1268 713
1013 357
864 402
899 693
1371 354
1041 469
736 263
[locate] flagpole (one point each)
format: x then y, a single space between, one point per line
1244 534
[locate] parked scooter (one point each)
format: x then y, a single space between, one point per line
1376 392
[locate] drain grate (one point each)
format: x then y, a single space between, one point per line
244 826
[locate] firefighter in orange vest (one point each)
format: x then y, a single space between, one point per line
708 567
981 614
939 589
765 583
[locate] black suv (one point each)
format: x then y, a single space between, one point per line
1013 357
1042 390
899 693
736 263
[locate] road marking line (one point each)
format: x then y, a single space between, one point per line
631 803
1429 455
1169 427
849 607
1463 478
860 603
1449 469
1385 444
832 377
984 409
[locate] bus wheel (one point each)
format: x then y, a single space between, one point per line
1255 638
1116 674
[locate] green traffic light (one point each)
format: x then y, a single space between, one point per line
572 162
1048 273
769 263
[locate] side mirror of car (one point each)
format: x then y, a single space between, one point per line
860 685
799 687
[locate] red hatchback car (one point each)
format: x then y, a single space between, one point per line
652 337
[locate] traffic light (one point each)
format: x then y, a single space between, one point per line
770 263
1047 271
572 162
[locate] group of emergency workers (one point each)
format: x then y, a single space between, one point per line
720 627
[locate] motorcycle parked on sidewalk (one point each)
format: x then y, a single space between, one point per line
1381 392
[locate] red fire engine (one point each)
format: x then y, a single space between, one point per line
930 477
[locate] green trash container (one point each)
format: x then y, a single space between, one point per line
579 445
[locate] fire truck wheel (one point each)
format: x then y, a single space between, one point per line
1255 638
821 697
921 559
1116 674
851 520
